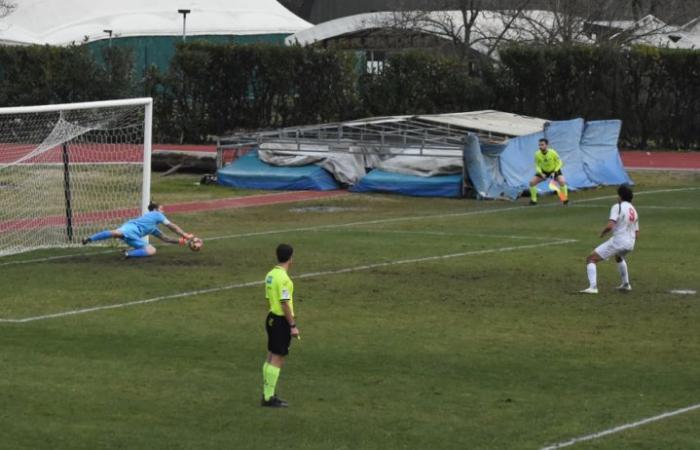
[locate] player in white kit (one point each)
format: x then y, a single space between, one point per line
624 224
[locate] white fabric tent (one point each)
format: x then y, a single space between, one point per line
488 27
61 22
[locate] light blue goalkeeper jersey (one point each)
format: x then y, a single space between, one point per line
146 224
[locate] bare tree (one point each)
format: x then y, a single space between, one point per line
478 25
6 7
465 24
601 21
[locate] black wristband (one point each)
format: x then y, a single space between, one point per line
293 325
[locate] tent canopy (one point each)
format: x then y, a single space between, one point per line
492 152
61 23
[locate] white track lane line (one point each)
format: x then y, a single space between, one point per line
620 428
377 221
300 276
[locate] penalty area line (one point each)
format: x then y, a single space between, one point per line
54 258
620 428
296 277
375 222
642 207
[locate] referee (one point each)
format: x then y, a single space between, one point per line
280 324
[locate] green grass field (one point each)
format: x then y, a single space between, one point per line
459 327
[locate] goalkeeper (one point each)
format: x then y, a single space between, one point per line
548 164
133 232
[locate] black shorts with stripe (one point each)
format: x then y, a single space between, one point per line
279 334
556 174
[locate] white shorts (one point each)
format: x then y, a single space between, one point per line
610 248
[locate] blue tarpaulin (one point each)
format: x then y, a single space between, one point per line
565 138
248 172
601 158
588 150
518 160
503 170
483 168
396 183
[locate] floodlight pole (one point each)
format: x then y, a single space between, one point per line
184 13
109 32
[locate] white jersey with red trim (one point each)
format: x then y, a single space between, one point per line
626 224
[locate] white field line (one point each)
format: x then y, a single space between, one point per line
654 191
642 207
367 222
627 426
53 258
431 216
379 221
467 234
301 276
662 169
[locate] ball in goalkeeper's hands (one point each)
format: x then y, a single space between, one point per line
195 244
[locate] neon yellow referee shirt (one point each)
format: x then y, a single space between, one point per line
279 288
549 162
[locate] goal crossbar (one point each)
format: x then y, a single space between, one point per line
73 106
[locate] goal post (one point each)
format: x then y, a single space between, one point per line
69 170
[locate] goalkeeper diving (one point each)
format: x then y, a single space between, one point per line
132 233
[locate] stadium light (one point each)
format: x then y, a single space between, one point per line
109 32
184 13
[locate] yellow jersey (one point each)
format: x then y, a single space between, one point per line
278 289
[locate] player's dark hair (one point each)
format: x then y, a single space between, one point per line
625 193
284 253
545 140
153 206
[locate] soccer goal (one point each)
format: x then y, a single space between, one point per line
67 171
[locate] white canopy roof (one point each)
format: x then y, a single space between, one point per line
60 22
490 121
339 27
489 25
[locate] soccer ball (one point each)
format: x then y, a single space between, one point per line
195 244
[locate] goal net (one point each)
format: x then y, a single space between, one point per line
68 171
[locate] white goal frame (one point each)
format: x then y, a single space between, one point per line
145 104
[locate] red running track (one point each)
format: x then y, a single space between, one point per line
189 207
632 159
84 153
661 160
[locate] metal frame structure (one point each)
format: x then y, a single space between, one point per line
417 136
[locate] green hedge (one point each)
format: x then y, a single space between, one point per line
654 91
212 89
36 75
421 83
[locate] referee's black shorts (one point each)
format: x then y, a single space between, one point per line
279 334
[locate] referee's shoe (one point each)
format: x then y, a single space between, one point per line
274 402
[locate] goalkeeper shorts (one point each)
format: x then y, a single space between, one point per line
131 237
556 174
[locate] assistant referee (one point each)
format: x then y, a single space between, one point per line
280 324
